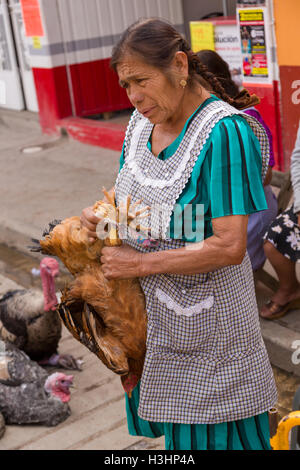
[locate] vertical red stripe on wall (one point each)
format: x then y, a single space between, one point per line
269 109
53 96
290 103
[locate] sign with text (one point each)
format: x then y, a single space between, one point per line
227 45
202 35
32 18
255 45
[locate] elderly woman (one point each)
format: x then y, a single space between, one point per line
207 382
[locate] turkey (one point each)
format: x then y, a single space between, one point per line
29 321
27 394
107 316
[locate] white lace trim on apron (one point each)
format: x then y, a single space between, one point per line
162 183
186 311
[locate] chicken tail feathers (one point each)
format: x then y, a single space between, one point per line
36 248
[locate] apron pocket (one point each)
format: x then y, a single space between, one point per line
185 320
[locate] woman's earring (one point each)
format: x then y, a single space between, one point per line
183 83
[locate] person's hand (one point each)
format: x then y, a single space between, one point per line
90 221
122 262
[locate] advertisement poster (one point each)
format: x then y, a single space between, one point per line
32 18
4 51
227 45
202 35
251 3
253 43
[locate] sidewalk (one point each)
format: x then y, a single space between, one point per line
62 179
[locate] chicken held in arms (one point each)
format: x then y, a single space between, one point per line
107 316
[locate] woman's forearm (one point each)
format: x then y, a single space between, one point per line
193 259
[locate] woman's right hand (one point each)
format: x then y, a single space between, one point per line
90 221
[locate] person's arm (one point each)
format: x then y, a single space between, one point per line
295 174
226 247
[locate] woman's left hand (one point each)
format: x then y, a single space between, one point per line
122 262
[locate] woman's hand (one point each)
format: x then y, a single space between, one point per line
121 262
89 220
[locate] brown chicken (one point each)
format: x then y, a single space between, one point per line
107 316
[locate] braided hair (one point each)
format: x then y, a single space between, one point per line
156 42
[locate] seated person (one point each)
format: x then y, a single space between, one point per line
258 222
282 247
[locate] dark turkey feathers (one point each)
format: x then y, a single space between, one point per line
23 398
29 321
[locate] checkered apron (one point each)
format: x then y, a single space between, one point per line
206 361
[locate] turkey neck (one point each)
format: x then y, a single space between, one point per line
50 299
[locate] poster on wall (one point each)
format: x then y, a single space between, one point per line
4 50
227 45
202 35
251 3
223 38
32 17
24 50
256 63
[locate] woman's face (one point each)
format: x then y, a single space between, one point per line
149 89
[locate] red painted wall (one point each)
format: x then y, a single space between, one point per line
53 96
269 107
290 103
96 88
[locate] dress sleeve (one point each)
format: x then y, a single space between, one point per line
122 160
235 175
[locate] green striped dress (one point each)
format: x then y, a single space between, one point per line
227 181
